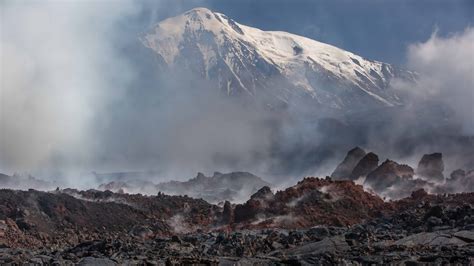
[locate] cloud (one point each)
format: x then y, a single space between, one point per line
77 94
446 68
58 65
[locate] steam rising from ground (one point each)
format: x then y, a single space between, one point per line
78 95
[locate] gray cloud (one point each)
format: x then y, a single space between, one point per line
58 65
446 67
79 93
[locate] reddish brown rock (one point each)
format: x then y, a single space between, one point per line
311 202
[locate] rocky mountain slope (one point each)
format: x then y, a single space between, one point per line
272 66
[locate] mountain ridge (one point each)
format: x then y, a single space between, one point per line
277 65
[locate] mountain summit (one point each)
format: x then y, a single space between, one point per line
276 66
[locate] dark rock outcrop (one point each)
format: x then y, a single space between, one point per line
431 167
227 213
265 193
366 165
345 168
388 174
257 203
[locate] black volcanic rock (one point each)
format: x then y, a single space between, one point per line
388 174
227 213
345 168
431 167
366 165
263 193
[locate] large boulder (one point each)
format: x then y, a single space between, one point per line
431 167
388 174
366 165
344 169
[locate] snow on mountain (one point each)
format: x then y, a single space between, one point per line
276 66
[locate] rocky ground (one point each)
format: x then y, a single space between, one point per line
333 220
349 226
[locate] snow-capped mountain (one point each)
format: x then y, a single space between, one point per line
275 66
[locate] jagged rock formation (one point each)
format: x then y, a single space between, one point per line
365 166
311 202
394 181
388 174
345 168
431 167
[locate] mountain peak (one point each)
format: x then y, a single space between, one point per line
201 10
280 66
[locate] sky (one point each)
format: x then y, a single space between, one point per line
378 30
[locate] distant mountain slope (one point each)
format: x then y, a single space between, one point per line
272 66
235 186
24 182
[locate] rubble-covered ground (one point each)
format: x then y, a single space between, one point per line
349 226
